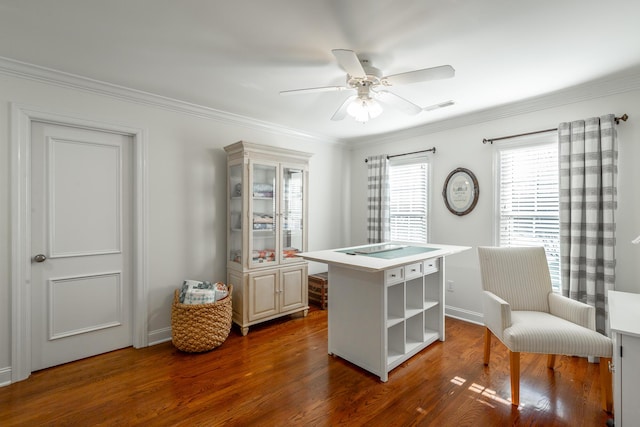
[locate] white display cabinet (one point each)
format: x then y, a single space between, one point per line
267 228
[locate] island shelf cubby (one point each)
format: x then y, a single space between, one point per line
415 316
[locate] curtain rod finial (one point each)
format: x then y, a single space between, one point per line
485 140
624 118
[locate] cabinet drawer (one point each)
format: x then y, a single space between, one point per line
413 270
394 275
430 266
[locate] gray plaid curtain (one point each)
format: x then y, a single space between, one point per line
378 218
588 153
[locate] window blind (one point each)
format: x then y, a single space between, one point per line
408 202
529 201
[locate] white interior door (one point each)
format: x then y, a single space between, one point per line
81 270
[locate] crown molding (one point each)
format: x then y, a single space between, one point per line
625 81
46 75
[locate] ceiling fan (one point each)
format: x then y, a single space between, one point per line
368 83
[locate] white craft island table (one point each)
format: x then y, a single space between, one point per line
384 307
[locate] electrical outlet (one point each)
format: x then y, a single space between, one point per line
450 285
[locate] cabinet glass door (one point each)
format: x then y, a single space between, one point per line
292 238
263 219
235 213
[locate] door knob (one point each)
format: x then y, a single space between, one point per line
40 258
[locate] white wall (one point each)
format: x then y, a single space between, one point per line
187 191
187 200
463 147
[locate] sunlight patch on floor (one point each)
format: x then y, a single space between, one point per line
458 381
488 393
482 391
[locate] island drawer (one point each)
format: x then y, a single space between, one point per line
394 275
413 270
430 266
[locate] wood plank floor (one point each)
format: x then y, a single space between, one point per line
280 375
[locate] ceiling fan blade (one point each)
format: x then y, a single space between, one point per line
441 72
349 61
398 102
314 90
341 112
440 105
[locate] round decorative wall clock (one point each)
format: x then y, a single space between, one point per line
460 191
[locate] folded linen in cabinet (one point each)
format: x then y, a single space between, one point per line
262 190
199 296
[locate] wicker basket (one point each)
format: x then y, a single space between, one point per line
200 327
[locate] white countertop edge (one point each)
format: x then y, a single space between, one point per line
624 309
373 264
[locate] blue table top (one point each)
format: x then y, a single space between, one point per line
392 254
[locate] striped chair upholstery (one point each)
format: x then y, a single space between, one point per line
522 311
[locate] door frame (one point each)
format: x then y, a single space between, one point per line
22 117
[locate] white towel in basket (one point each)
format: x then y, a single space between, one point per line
199 296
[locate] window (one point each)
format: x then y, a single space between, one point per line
408 184
528 199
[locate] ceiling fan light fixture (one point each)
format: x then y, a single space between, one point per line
363 109
369 83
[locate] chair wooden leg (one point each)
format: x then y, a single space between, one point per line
487 345
551 361
606 386
514 362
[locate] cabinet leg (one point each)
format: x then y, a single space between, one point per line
304 313
244 330
606 385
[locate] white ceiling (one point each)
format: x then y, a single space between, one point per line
236 56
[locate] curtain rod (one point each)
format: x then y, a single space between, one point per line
433 150
624 118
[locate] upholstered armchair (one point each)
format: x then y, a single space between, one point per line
522 311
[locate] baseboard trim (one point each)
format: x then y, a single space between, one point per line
154 337
159 336
5 376
462 314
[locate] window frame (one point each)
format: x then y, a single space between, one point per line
536 140
410 160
